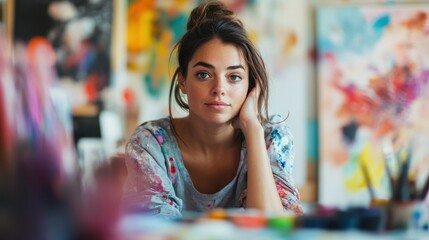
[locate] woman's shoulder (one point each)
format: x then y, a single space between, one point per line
155 124
155 128
277 130
276 123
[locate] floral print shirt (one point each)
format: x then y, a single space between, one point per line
159 183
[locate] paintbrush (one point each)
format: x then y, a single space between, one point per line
368 182
402 188
389 160
425 189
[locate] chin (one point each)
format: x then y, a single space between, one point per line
218 119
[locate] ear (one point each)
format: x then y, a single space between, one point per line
182 83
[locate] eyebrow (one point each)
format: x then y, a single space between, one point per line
207 65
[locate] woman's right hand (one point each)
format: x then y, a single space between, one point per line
247 118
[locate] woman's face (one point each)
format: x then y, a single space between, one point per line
217 82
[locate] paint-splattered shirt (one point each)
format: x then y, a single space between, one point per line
158 181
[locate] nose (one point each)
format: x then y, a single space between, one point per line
218 88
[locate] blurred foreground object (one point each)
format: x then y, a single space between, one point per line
37 155
41 196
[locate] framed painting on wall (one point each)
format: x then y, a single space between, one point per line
373 84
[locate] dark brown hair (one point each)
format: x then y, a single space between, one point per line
212 20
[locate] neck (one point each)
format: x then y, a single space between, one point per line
198 135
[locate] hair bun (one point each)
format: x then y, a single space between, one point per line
210 11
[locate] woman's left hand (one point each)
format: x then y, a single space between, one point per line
248 115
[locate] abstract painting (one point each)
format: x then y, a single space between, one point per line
373 86
80 32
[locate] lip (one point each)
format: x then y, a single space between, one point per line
217 105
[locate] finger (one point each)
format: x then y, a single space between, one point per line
254 92
257 89
257 92
253 98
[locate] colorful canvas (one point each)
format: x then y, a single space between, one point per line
80 33
373 83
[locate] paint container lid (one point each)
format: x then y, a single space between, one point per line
249 220
217 213
281 223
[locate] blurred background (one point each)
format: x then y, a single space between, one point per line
77 77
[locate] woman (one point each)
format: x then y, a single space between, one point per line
226 152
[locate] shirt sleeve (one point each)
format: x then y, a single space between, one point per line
148 186
281 152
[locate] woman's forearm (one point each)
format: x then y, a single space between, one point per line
261 189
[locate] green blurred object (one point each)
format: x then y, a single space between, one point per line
281 223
